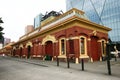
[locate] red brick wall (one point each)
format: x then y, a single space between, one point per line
74 31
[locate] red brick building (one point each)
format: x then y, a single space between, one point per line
68 35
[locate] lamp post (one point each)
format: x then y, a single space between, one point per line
108 58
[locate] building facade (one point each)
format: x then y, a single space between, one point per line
70 35
29 28
104 12
37 20
7 41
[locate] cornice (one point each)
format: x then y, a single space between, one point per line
71 21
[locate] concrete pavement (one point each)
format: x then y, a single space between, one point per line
30 68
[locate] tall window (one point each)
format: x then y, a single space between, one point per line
82 45
62 46
103 47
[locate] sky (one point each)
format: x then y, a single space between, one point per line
17 14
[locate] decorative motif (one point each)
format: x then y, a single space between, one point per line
20 46
94 32
48 38
29 44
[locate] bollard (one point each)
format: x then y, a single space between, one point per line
57 61
115 58
108 58
82 64
68 63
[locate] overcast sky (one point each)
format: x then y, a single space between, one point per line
17 14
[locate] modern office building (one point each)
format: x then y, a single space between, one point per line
7 41
29 28
37 20
105 12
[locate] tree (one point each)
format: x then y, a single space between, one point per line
1 33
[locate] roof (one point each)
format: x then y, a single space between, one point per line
69 16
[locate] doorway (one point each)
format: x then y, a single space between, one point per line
20 52
94 48
49 50
29 52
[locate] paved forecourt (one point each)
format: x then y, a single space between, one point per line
24 69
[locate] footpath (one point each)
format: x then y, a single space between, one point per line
99 67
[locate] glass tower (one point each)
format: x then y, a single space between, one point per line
104 12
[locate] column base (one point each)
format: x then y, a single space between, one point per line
76 61
100 58
91 59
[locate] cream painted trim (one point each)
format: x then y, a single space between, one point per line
91 59
20 46
77 60
62 56
89 39
72 38
107 41
85 45
14 48
84 56
39 56
29 44
33 56
48 38
99 41
93 27
60 52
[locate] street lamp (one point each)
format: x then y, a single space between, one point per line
108 57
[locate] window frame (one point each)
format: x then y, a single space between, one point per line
85 45
60 46
103 52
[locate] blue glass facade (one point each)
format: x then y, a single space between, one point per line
104 12
37 21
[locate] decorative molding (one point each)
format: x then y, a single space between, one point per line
29 44
20 46
72 38
84 56
62 56
89 39
14 48
48 38
99 41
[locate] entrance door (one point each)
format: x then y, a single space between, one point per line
14 52
71 51
29 51
49 50
94 48
71 47
20 52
